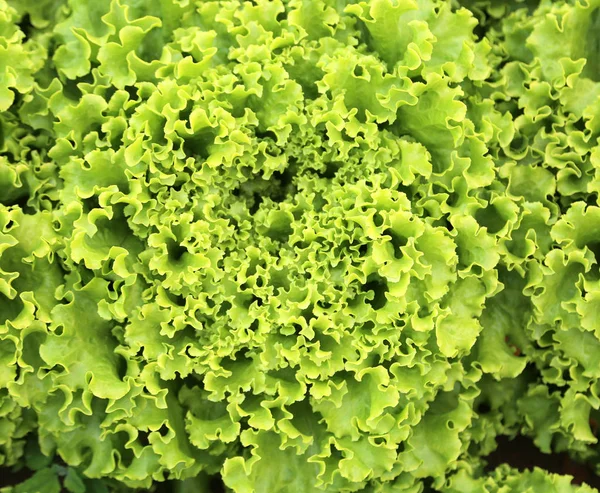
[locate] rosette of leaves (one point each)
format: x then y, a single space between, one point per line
301 245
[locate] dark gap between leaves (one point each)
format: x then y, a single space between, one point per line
521 453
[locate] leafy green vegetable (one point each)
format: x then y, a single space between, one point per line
305 245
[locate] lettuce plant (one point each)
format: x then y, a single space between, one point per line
299 245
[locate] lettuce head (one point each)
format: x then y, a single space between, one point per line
297 246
